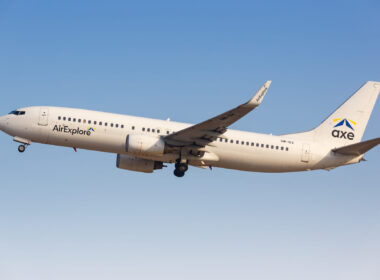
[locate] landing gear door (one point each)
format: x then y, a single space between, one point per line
305 153
44 117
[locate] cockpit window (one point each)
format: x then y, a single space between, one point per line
17 113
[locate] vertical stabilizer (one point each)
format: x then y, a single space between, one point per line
347 124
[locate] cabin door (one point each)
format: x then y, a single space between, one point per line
305 153
44 117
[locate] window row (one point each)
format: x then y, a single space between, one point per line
252 144
153 130
100 123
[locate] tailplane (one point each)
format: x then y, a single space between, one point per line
358 148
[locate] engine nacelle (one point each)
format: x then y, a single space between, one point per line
137 164
144 145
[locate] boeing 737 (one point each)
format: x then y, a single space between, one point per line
145 145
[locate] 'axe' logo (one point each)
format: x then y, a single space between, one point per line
344 134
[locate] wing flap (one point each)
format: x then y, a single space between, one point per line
358 148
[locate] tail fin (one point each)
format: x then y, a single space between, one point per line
347 124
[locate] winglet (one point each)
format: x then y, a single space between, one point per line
259 96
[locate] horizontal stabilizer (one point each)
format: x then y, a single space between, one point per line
358 148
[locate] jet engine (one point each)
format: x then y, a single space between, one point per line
138 145
137 164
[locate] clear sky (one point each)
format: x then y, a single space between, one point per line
66 215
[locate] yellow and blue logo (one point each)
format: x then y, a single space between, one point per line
91 129
345 122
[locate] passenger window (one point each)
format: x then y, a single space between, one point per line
148 129
167 132
111 124
79 120
257 145
237 141
122 126
116 125
242 142
267 146
59 118
64 118
133 128
74 120
252 144
287 149
231 141
158 131
262 145
226 140
95 122
247 143
276 147
272 147
143 129
89 122
100 123
84 121
105 124
282 148
69 119
153 130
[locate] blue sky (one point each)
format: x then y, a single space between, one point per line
66 215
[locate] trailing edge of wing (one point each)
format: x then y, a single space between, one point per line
358 148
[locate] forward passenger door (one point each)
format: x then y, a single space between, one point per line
43 117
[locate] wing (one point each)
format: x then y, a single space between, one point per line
206 132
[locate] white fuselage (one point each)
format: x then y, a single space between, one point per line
107 132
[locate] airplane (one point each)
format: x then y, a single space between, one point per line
145 145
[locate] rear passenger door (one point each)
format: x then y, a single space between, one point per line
306 152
